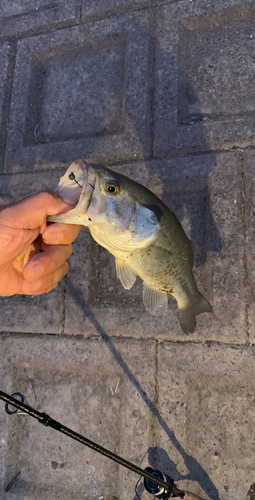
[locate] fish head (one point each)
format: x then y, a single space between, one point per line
101 194
77 183
108 200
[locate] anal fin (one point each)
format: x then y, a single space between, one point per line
155 301
125 274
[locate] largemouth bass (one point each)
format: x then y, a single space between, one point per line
142 233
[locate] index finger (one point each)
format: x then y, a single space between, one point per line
63 234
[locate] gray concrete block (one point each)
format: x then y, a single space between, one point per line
206 401
205 76
96 388
80 92
91 8
35 313
205 193
22 16
17 186
4 60
249 203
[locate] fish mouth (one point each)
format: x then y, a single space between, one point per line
78 184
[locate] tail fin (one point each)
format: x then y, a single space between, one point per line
187 315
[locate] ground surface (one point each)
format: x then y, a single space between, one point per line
164 92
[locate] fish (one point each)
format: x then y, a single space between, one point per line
141 232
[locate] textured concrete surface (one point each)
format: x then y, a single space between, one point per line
20 17
4 88
203 97
161 91
92 386
206 398
81 89
249 226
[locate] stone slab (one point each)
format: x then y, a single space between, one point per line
4 61
98 388
206 401
249 203
205 76
31 313
22 16
91 8
79 92
205 193
14 187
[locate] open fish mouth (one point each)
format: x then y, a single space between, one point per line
78 183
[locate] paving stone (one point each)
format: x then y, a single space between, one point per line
205 76
31 313
18 8
4 59
205 193
98 388
249 200
18 186
91 8
21 16
206 404
80 92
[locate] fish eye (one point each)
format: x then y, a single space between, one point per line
112 187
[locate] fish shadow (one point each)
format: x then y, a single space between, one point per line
156 455
186 192
203 229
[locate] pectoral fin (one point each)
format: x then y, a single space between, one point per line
154 300
125 274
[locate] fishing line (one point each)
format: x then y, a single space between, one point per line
136 488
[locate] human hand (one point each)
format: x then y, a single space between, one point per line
33 254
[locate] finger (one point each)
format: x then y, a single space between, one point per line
10 282
60 233
46 283
46 262
31 212
14 242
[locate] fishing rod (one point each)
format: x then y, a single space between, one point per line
156 482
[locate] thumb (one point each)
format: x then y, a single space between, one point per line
31 212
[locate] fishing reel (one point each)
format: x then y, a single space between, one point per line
164 494
158 491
